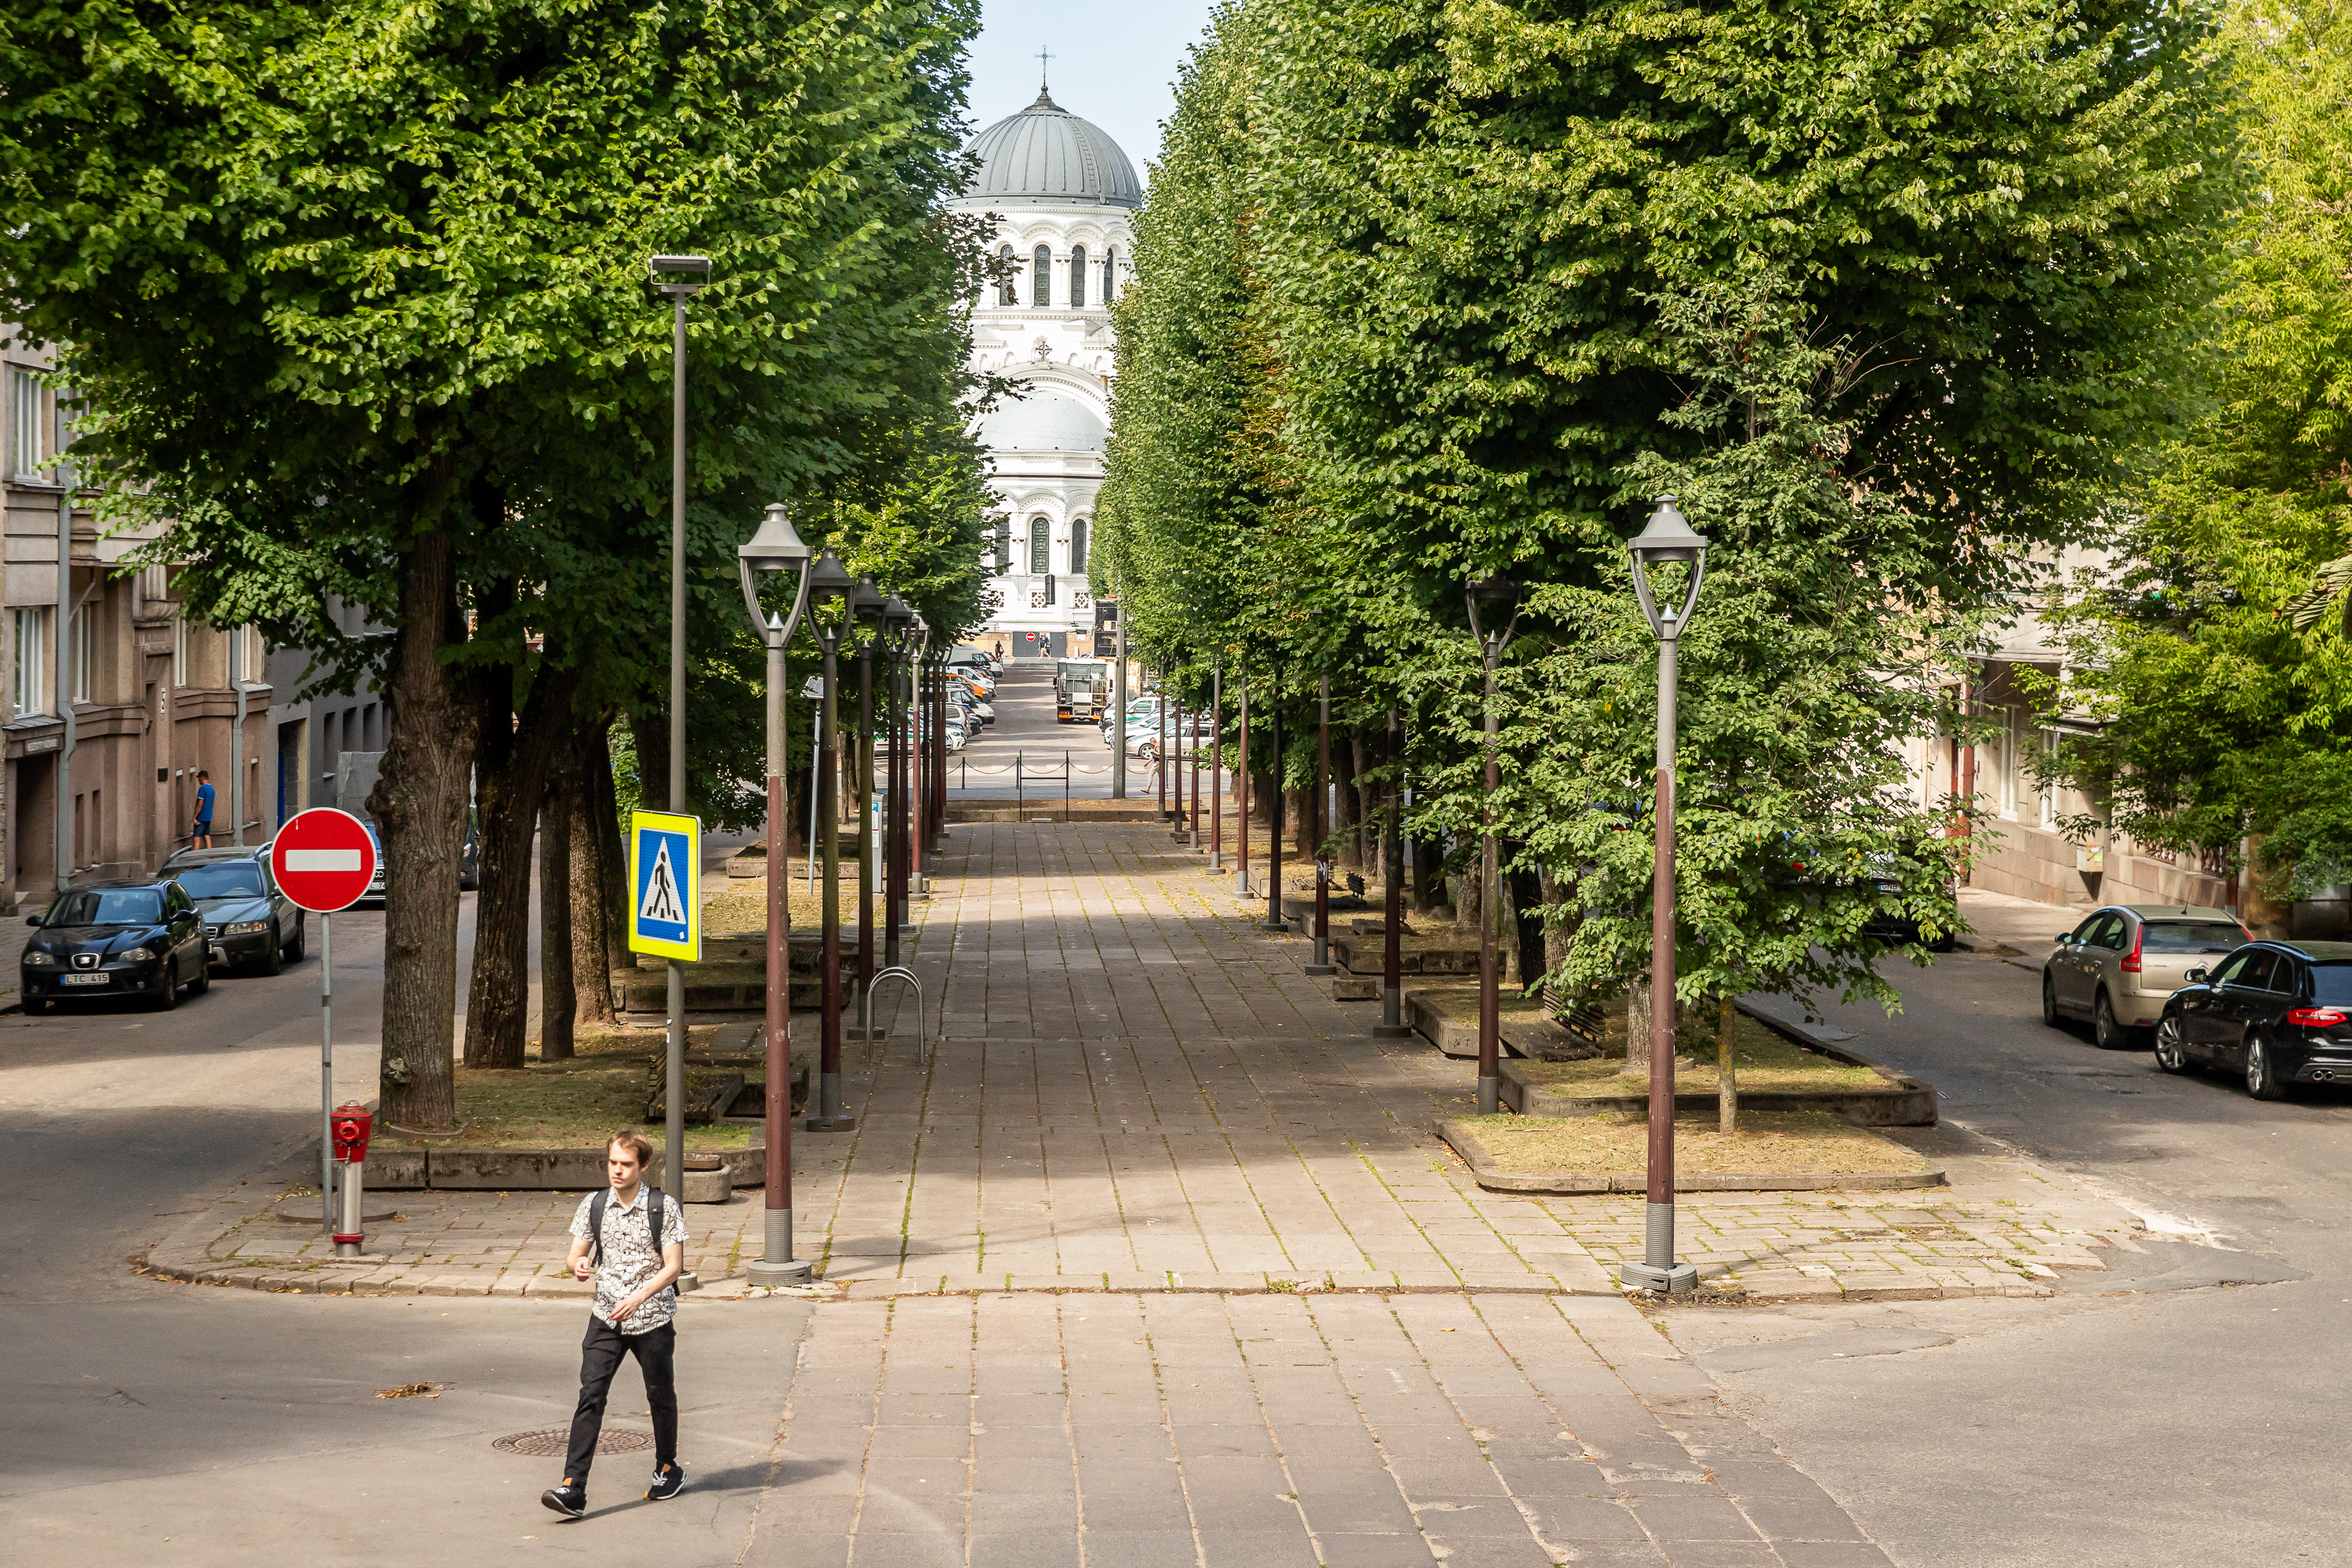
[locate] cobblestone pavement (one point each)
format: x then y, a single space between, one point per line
1267 1431
1134 1087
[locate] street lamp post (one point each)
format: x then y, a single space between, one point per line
1321 819
897 641
1500 597
1241 798
1216 762
681 277
776 547
865 603
1393 1025
828 581
1274 809
1667 539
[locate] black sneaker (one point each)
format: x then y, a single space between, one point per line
669 1481
567 1500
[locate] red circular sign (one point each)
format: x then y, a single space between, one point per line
323 860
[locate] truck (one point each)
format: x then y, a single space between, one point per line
1081 689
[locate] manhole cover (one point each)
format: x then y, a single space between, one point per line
553 1442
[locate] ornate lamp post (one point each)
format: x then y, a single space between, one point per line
1320 819
829 580
865 603
776 547
1393 1025
897 639
1667 540
1500 598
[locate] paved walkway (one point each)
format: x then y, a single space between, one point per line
1149 1255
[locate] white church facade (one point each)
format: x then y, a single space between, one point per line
1064 196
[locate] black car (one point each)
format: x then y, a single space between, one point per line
2280 1013
249 922
116 940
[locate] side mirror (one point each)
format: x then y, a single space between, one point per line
2065 937
32 920
2198 976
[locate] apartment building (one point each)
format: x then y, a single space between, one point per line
327 745
115 701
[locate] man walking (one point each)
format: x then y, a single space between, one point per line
202 837
614 1239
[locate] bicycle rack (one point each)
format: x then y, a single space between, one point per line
900 971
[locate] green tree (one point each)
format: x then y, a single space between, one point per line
359 289
2208 644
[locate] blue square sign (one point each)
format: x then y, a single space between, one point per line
665 879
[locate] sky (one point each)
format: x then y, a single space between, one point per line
1113 64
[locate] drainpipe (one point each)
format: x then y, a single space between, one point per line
63 680
237 760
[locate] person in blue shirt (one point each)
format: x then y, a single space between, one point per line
202 837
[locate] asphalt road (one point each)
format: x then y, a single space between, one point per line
2175 1420
1027 735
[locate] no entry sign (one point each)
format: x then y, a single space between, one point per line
323 860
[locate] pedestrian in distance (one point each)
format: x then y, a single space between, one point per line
200 837
634 1313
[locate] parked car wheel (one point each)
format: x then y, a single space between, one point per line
294 948
2109 1035
169 996
2170 1055
203 981
274 961
2049 1003
2263 1080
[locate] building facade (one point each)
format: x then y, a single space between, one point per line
1062 198
114 699
326 745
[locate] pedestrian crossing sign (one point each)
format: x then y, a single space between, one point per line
665 879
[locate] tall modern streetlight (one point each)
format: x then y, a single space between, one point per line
1500 597
829 581
681 277
776 547
1667 540
865 603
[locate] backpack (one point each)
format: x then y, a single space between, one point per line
654 1214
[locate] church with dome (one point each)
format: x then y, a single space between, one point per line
1062 197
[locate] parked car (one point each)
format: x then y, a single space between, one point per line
2119 965
2280 1013
115 940
374 893
248 919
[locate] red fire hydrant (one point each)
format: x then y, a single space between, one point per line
351 1125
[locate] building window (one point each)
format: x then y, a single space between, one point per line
240 656
84 644
1078 275
1004 295
1110 275
29 402
1041 546
2049 792
179 650
30 694
1079 548
1041 277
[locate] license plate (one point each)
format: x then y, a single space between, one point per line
86 979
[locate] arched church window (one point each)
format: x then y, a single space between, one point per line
1041 277
1078 275
1079 548
1110 275
1041 546
1004 281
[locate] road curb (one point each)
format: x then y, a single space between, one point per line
1571 1183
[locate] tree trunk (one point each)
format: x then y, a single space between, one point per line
1558 931
419 806
499 1000
1637 1029
649 729
593 935
1347 801
1428 875
558 997
611 855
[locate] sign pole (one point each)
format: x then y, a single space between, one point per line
327 1072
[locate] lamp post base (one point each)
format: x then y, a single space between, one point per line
1677 1280
1394 1031
797 1272
1490 1095
845 1123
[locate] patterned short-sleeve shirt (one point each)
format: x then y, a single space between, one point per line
631 1259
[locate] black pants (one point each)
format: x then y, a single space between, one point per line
600 1357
